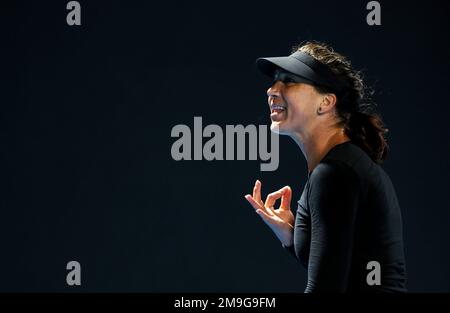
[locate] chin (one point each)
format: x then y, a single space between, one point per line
277 128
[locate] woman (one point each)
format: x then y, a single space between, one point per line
347 230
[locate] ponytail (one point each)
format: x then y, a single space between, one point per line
367 131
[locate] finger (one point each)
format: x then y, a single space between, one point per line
264 216
286 198
257 192
272 198
253 202
256 205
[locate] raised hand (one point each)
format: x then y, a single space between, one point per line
280 220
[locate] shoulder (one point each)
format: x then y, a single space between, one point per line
333 187
333 171
346 163
333 180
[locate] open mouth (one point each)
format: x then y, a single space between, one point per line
276 108
277 112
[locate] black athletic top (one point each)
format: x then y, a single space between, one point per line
348 215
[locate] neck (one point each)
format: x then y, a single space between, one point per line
316 145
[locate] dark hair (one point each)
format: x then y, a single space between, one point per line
354 107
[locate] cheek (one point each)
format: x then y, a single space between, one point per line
299 107
303 103
300 100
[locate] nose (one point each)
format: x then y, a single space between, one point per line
274 90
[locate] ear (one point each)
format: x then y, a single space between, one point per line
328 102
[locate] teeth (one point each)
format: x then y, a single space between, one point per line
277 107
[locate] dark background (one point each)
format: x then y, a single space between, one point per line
86 114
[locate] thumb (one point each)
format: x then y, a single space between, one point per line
263 215
286 198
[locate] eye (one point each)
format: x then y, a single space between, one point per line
288 80
274 81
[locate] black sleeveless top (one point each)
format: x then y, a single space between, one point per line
348 215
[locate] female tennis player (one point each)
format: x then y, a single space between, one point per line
347 230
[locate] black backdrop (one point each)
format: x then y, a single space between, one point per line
86 115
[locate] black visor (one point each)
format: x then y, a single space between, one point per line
302 65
